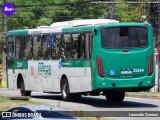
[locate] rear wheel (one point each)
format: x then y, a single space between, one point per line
115 96
66 95
23 91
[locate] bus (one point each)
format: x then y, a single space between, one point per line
82 57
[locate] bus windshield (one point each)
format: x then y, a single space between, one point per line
124 37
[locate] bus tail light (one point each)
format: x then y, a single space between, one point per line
100 67
150 65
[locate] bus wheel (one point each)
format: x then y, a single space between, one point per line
66 95
23 91
115 96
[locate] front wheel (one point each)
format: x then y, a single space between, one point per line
23 91
115 96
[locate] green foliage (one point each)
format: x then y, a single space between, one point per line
130 12
0 52
45 12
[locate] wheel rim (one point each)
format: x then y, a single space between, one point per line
64 91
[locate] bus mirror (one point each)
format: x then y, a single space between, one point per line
95 31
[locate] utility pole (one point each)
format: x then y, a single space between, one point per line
4 30
111 9
155 18
154 12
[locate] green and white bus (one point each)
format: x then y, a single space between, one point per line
82 57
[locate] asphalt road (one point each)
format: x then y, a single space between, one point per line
96 103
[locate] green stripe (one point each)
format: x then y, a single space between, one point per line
76 63
19 64
17 32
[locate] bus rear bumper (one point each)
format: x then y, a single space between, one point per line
130 84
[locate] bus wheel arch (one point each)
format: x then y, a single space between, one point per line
21 86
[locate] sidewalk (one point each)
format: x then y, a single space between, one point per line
150 95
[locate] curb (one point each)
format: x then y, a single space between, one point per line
143 96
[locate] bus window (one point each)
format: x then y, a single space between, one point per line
86 45
46 45
66 41
37 47
28 49
56 48
20 47
80 46
90 44
10 47
74 51
81 49
124 37
52 46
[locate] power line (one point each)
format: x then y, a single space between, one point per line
54 4
81 17
41 10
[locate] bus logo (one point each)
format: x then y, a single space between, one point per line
42 68
8 8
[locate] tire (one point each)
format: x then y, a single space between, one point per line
23 91
115 96
66 95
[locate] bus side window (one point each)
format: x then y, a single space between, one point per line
81 50
36 47
20 47
46 47
79 46
66 41
74 46
56 47
28 49
90 44
10 47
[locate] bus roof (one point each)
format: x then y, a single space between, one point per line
67 26
86 22
72 26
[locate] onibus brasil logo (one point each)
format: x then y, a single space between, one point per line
8 8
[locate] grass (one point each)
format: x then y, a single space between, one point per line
6 103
